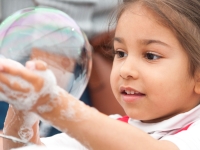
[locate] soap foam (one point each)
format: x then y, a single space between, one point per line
25 101
53 102
25 133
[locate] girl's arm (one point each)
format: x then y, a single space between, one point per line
22 125
96 130
90 127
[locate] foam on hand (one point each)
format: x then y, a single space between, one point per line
25 100
26 132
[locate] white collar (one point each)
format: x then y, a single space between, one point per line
177 122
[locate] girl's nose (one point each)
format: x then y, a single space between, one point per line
129 70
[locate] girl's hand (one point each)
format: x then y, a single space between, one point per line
23 87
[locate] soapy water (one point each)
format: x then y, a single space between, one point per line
50 35
26 132
23 140
26 100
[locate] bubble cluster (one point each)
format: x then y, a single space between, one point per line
50 35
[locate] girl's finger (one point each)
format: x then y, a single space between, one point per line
14 86
24 74
36 64
20 72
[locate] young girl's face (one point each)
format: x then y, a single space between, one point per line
155 83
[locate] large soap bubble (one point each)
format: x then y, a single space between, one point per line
52 36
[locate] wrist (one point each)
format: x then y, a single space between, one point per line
21 121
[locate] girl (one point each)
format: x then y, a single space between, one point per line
155 77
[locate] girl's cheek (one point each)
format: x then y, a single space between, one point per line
113 81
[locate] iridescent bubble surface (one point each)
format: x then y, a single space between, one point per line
52 36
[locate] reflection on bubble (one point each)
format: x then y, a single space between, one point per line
52 36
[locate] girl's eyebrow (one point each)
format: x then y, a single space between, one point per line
144 41
150 41
118 39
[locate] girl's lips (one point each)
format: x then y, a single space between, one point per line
129 90
130 95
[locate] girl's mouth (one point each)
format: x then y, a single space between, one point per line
131 92
130 95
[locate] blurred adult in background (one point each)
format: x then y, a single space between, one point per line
93 17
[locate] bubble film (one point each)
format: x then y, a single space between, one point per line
50 35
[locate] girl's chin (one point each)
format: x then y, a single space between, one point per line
140 116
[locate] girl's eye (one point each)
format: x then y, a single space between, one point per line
151 56
120 54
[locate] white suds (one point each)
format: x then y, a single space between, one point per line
69 112
25 133
25 100
44 108
53 102
75 108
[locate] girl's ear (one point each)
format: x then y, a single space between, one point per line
197 84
